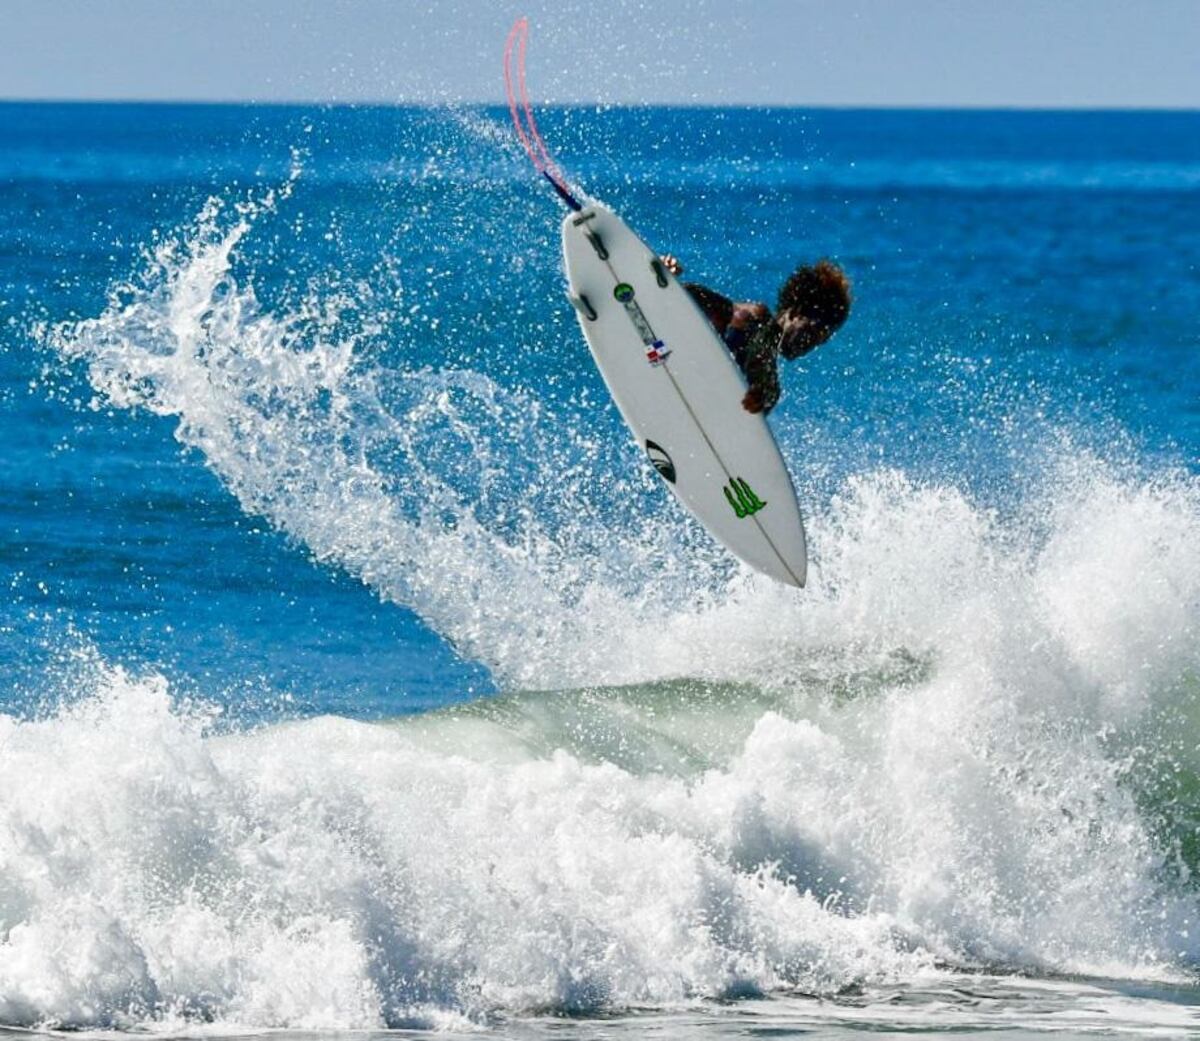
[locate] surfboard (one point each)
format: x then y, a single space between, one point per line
680 392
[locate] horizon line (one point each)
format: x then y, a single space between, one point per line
744 105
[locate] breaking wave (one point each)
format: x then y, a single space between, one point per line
971 742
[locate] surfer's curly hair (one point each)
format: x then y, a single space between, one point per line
819 293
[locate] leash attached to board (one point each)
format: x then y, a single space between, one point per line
528 134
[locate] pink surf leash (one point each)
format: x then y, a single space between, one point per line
527 132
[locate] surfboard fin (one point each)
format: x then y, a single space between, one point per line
597 243
660 272
583 305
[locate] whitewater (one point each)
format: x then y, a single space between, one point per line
954 780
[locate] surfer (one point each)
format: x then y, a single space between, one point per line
812 305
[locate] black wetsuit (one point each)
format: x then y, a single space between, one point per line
755 347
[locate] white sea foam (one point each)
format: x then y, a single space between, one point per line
282 413
337 874
334 874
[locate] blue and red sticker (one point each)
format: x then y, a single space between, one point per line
656 350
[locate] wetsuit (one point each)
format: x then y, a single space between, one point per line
755 347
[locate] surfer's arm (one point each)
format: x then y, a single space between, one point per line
717 309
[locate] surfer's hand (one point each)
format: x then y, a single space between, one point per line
671 263
790 322
753 401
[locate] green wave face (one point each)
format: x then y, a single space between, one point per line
679 727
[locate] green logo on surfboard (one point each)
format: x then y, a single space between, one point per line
623 291
742 498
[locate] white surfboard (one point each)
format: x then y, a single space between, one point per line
680 391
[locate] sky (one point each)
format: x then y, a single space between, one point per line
943 53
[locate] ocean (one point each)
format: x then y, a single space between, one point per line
357 674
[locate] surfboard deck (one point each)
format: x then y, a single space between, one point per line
680 392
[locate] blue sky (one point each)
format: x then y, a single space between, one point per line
1056 53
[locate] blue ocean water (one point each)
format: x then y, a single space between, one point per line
358 673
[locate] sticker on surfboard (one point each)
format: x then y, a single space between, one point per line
741 497
656 351
661 461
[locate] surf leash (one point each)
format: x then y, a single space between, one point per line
527 132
